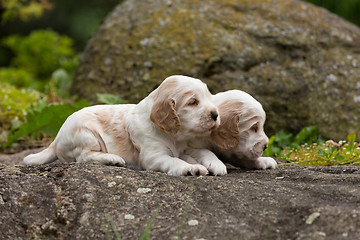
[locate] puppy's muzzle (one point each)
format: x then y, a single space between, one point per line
265 147
214 116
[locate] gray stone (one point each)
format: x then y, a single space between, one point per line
74 201
300 61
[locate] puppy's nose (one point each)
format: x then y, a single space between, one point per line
214 115
265 147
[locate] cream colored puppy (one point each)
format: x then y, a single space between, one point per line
152 134
240 139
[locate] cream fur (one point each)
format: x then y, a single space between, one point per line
240 138
142 135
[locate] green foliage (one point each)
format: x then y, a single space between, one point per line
60 83
41 53
45 119
109 98
326 154
19 78
307 148
185 214
348 9
113 226
146 233
144 236
15 104
44 61
23 9
307 135
282 140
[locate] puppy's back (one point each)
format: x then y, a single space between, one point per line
70 138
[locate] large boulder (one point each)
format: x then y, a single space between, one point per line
79 201
300 61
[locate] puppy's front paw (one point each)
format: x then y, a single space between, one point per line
112 159
198 170
189 170
217 168
103 158
265 163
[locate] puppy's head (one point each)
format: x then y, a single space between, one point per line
241 132
183 106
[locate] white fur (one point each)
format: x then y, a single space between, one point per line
208 159
247 135
134 134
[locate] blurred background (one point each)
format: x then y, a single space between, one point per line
40 44
76 19
79 19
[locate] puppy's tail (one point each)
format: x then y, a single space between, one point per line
47 155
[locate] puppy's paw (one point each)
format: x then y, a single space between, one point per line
265 163
217 168
112 159
198 170
189 170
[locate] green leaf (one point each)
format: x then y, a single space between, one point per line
113 226
15 103
283 138
270 150
351 138
321 152
339 157
307 135
60 82
16 77
48 120
40 52
23 10
146 233
271 140
109 98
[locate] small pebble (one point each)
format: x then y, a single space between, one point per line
129 217
111 184
193 222
143 190
312 218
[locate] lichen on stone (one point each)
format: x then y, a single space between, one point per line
286 53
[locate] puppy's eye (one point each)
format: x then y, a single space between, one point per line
193 102
254 128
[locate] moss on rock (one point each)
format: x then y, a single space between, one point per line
14 104
300 61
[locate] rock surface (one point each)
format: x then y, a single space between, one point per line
78 201
300 61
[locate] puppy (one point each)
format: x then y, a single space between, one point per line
240 139
152 134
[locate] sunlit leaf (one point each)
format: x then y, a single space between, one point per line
48 120
351 138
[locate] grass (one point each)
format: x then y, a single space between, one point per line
327 153
146 234
45 119
184 216
113 226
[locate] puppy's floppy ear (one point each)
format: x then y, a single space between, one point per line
227 135
164 115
